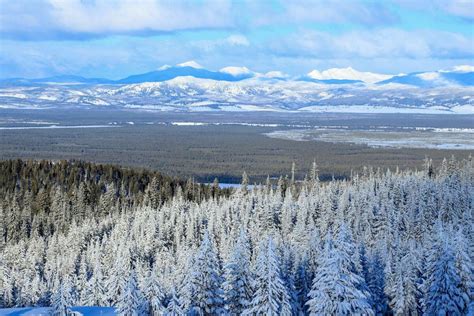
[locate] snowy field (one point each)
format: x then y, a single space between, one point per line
55 127
432 138
43 311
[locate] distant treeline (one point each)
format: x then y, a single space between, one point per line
43 196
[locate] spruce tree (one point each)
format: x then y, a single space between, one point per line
154 293
95 292
174 306
376 285
270 294
237 285
130 302
206 280
62 299
444 291
336 286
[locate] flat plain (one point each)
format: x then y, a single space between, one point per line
223 145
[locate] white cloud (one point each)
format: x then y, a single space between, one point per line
138 15
378 43
103 17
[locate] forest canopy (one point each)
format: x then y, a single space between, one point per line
381 242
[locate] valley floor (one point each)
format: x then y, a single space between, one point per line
223 145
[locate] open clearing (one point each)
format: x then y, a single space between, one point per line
431 138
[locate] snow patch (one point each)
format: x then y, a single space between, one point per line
236 71
275 74
348 73
463 68
429 76
190 63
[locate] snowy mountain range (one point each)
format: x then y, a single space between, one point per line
460 76
191 87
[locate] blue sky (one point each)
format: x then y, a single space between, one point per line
116 38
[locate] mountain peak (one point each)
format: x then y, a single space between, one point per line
236 71
164 67
190 63
347 73
463 68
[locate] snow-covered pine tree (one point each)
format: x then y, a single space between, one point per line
81 281
94 291
237 284
376 285
270 294
186 286
336 286
130 302
302 284
206 280
153 293
464 265
444 291
404 279
62 299
118 276
174 306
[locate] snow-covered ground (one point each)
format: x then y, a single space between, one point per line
440 138
56 127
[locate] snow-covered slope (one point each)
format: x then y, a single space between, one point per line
348 73
187 93
189 87
458 76
237 71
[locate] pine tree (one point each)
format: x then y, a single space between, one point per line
206 280
270 296
336 286
237 285
464 266
444 295
376 284
174 306
130 302
245 183
118 276
154 294
94 292
62 299
314 176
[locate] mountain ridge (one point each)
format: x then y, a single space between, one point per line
460 75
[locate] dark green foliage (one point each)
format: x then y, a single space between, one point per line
42 196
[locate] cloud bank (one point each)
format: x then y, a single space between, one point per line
113 38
